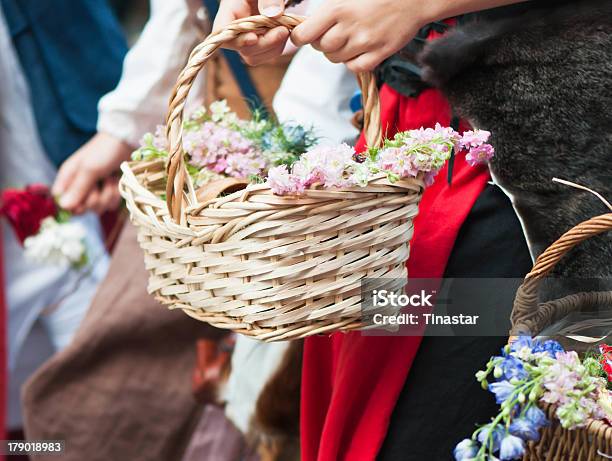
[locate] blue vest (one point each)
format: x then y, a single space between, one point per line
71 52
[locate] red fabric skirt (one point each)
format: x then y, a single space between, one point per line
351 382
3 346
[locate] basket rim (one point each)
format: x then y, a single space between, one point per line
378 184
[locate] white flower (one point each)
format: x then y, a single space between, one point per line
219 111
361 174
60 244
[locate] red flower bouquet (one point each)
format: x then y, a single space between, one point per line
43 228
26 208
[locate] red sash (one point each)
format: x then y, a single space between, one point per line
350 382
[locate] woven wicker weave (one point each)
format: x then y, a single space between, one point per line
528 317
271 267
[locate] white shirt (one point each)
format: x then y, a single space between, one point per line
30 288
314 92
150 69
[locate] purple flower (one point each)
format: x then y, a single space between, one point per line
491 436
537 417
465 450
512 447
525 429
502 391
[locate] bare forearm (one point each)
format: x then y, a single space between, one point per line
436 10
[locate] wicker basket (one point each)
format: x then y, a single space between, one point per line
530 317
271 267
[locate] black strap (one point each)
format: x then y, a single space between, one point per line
238 68
454 123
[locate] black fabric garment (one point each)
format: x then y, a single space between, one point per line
441 402
400 70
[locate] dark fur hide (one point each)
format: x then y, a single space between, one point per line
275 428
540 79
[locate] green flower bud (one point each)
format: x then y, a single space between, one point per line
535 393
498 372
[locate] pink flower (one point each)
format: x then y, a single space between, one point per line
244 165
395 160
329 166
479 155
474 138
212 143
160 142
282 182
429 178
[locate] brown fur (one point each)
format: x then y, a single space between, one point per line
275 430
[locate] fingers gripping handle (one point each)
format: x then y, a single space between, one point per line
177 172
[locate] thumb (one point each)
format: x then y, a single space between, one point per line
271 8
64 177
78 190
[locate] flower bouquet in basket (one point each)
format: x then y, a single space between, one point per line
249 225
224 155
530 379
218 145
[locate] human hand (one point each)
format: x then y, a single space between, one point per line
362 33
86 182
253 48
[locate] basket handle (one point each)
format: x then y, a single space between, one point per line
177 172
526 300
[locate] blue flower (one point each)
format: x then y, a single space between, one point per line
525 429
550 346
512 447
495 432
513 368
294 134
537 417
267 140
465 450
502 390
522 342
